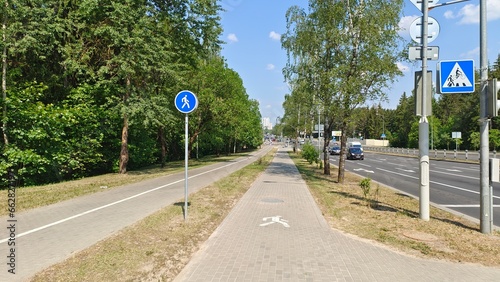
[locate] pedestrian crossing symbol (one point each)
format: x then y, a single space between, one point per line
456 76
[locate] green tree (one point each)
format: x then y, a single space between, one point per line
494 137
347 51
403 120
474 140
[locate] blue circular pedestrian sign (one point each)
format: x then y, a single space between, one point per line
186 101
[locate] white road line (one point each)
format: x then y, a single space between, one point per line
115 203
466 206
473 169
405 170
365 165
396 164
457 175
434 182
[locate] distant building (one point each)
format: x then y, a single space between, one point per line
266 123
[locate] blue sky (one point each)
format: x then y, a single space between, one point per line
252 31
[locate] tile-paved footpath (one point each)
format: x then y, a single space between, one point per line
300 246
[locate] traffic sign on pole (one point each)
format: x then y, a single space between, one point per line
415 53
186 101
416 29
418 3
456 76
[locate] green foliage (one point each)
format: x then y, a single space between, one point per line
475 140
79 74
309 153
494 137
340 55
365 185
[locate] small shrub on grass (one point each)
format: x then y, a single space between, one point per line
365 186
309 153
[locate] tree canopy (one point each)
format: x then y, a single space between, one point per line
341 53
88 87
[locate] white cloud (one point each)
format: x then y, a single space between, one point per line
404 24
232 37
402 67
274 36
449 15
472 53
469 14
270 67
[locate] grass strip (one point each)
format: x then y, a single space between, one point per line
387 216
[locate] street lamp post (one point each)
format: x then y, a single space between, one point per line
383 127
276 125
383 130
319 122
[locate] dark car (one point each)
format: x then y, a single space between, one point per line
335 150
355 153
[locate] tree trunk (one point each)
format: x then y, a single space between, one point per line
124 156
326 153
4 78
163 145
327 137
343 141
124 148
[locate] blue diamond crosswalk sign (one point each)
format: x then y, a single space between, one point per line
456 76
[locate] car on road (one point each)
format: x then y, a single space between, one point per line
335 150
355 153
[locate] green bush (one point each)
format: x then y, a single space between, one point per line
309 153
365 186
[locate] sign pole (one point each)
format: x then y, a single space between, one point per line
186 167
186 102
486 217
423 126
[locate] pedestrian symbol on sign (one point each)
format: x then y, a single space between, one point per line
185 101
456 76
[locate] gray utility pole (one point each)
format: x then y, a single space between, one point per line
423 125
486 191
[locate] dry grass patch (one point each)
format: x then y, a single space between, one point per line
392 219
38 196
159 246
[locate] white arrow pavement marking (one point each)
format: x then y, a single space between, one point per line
274 219
362 169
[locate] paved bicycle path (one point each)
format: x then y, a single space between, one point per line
276 232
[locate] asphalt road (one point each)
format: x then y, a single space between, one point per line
50 234
453 185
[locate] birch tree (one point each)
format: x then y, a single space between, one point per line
351 48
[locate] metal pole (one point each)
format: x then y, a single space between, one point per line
383 130
423 126
186 168
319 121
485 193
